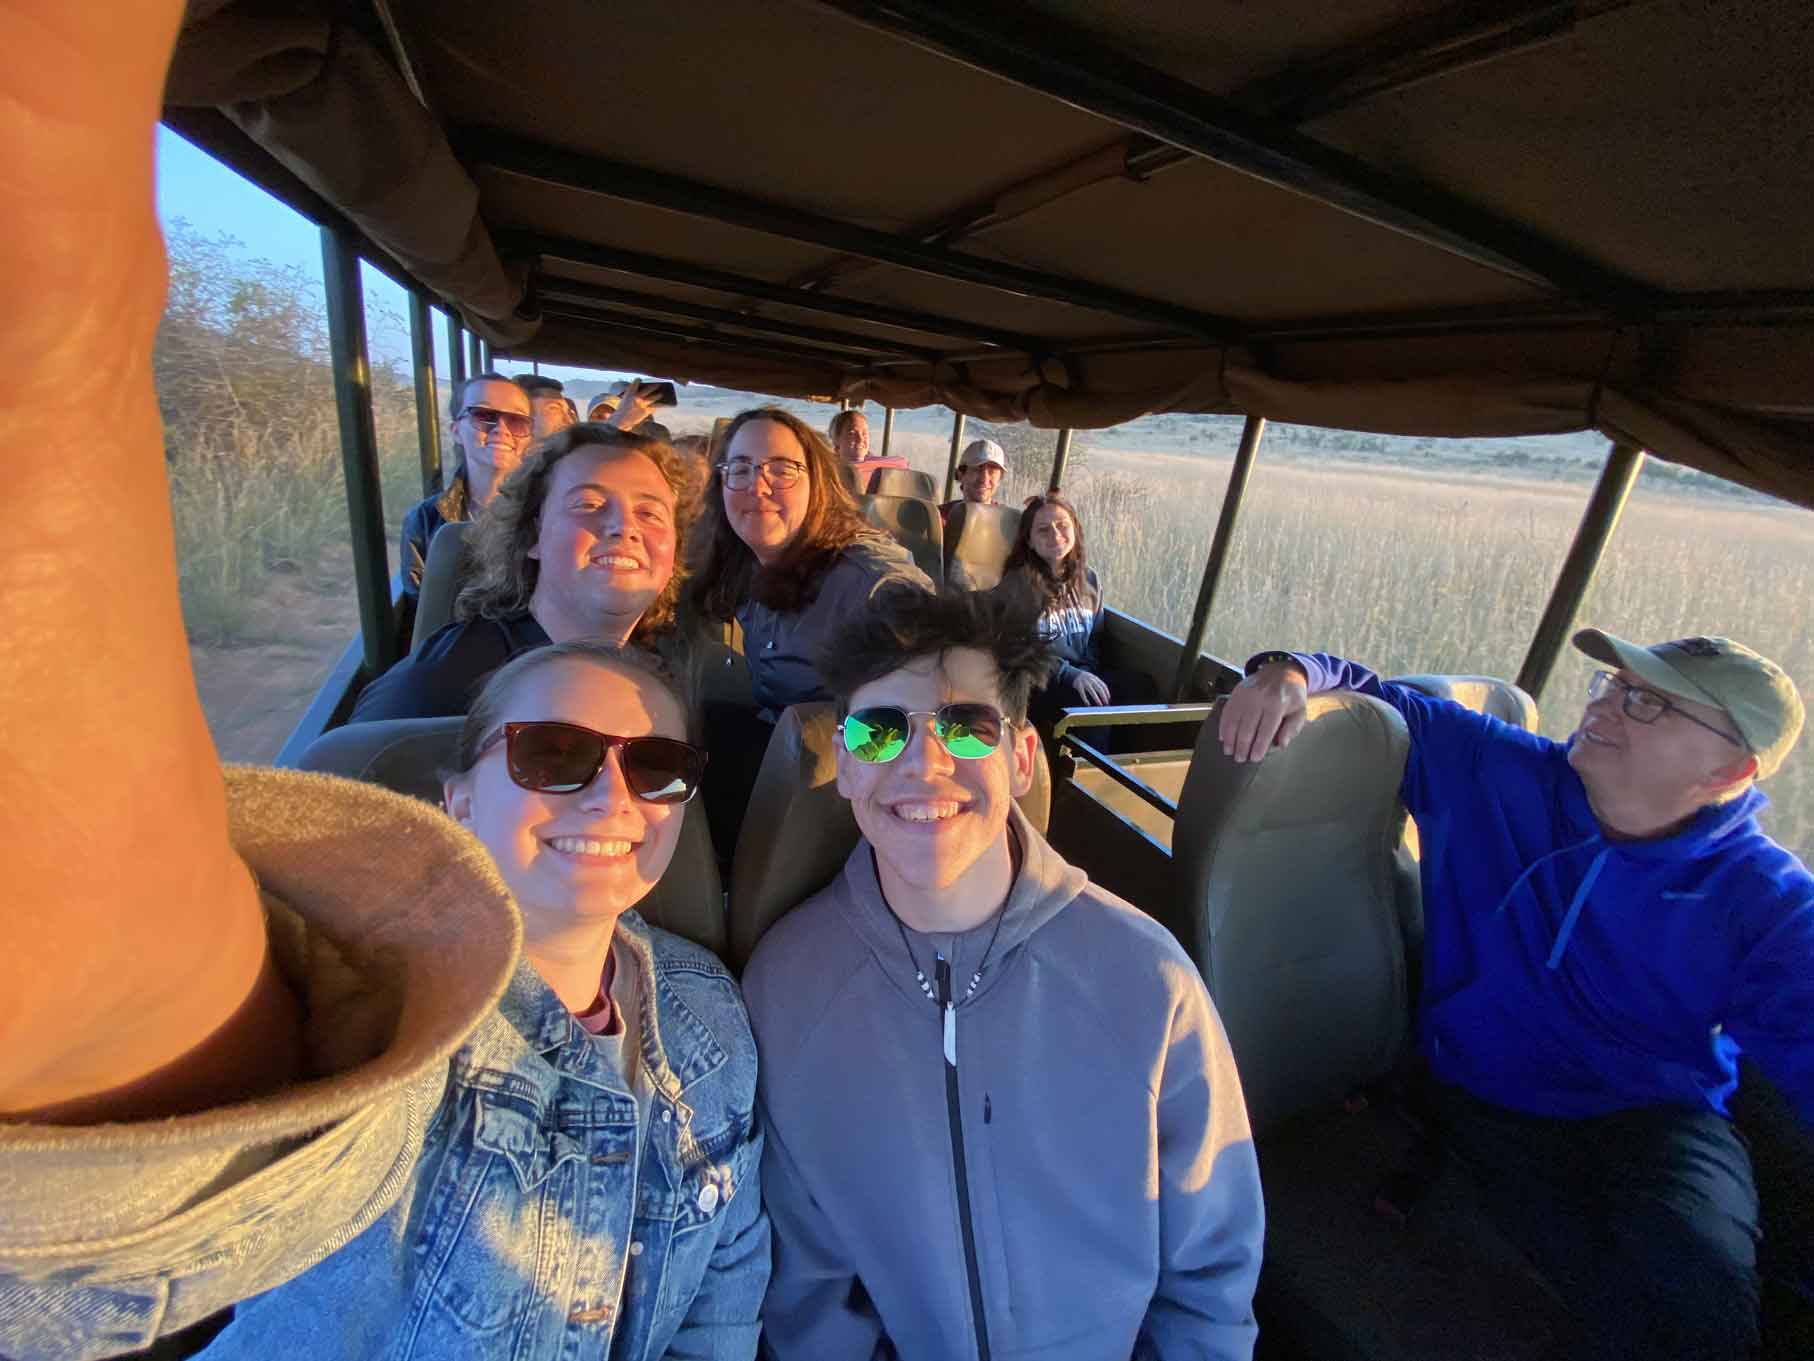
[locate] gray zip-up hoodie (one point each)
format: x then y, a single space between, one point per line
1113 1205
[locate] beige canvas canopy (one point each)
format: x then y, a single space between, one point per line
1384 215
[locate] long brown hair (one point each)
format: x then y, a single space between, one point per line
726 572
503 573
1072 573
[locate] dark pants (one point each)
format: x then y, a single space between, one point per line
737 738
1645 1222
1125 687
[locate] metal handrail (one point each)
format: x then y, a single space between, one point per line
1136 715
1107 766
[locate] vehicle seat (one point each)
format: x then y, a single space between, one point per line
798 830
977 542
913 524
903 482
1483 694
1286 872
409 754
444 573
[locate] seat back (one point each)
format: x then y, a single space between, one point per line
444 573
903 482
798 829
977 542
913 524
1483 694
409 754
1286 873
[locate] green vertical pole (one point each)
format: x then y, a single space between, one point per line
1598 521
1218 554
428 401
1061 454
957 448
456 355
359 448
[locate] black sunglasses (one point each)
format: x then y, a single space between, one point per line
490 418
879 733
563 758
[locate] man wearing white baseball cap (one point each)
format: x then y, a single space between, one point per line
980 469
1607 930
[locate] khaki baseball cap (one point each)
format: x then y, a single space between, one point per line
980 451
1755 693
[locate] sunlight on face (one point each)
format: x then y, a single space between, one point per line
555 886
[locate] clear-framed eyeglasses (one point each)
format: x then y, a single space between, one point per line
1643 705
779 473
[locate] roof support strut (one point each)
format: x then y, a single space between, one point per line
1073 67
585 294
657 189
359 449
1598 522
957 444
1218 554
428 402
720 281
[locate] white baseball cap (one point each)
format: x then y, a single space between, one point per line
980 451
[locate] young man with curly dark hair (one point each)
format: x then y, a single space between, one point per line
1001 1113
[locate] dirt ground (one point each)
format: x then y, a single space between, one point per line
255 693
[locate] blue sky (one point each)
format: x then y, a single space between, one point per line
214 200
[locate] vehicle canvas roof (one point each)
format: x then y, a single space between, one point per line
1409 218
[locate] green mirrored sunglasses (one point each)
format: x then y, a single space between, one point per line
879 733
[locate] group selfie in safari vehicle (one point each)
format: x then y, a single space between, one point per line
736 898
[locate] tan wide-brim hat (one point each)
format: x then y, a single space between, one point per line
1755 693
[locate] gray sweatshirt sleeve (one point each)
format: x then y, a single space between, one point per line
1212 1221
815 1307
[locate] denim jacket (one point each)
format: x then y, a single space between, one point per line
520 1210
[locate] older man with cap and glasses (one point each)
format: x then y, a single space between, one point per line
980 469
1608 929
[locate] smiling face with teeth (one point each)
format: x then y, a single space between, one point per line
604 544
938 823
574 859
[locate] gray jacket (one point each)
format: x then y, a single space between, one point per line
783 648
1114 1197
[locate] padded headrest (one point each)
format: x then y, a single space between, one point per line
1288 872
1483 694
798 830
444 572
913 524
978 540
903 482
408 754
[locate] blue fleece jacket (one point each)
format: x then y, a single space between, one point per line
1566 974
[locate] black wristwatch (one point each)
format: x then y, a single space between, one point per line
1260 660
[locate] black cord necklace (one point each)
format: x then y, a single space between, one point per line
919 975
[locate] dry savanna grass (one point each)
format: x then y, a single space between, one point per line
1412 572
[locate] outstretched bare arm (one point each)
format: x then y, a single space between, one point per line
133 971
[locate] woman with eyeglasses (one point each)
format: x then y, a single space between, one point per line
1049 568
782 549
